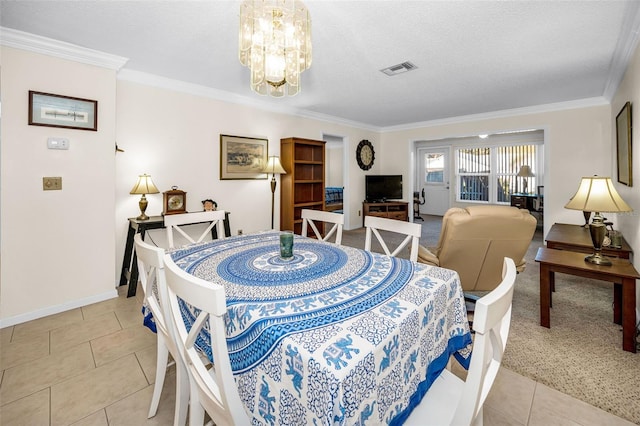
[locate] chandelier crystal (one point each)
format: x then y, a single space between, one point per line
275 44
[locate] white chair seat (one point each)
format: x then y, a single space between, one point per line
439 408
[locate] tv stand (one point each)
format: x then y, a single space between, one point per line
398 210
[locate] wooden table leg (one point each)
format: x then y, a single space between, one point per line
545 295
126 261
552 287
629 314
617 304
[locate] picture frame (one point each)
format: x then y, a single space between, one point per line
243 157
623 145
47 109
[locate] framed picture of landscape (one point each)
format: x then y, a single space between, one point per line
242 157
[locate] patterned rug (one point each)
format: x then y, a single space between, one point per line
581 354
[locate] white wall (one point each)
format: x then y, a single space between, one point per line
629 223
174 136
577 143
57 247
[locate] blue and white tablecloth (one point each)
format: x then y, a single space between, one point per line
336 335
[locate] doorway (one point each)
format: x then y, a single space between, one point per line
336 172
432 180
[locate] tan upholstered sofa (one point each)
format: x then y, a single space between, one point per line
474 241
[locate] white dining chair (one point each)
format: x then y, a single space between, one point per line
310 217
452 401
177 222
154 285
412 232
212 390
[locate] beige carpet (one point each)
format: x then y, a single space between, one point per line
581 354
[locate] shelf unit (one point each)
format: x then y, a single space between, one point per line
303 185
398 210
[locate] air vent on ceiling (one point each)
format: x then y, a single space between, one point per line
399 69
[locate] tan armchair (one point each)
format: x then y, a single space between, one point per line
474 242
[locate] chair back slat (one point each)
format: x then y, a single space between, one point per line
150 261
412 232
217 391
154 286
491 323
309 217
178 222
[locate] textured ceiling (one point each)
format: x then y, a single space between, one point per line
473 57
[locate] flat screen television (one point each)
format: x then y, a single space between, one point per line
381 188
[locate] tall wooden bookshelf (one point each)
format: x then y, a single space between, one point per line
303 185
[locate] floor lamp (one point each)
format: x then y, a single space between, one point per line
275 168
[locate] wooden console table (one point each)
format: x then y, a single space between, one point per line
398 210
577 238
622 274
129 272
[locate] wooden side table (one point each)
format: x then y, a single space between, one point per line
577 238
129 272
523 201
622 274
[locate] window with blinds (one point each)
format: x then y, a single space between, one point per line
490 174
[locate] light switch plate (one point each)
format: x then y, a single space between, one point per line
58 143
51 183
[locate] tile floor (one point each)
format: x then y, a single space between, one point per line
95 366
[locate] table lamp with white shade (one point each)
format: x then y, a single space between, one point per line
144 186
597 194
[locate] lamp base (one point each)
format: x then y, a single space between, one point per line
143 207
598 231
598 259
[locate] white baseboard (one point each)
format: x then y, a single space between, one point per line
50 310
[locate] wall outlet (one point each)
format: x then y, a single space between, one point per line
51 183
239 231
358 213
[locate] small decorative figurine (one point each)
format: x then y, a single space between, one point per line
209 205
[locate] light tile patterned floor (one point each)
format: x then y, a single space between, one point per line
95 366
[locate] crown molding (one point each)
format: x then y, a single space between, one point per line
536 109
153 80
60 49
626 46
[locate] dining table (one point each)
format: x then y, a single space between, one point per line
334 335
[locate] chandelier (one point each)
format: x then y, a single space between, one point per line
275 43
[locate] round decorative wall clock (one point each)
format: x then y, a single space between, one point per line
365 154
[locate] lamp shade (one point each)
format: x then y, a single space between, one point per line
144 185
273 166
525 171
597 194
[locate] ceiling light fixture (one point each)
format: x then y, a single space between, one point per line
275 44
